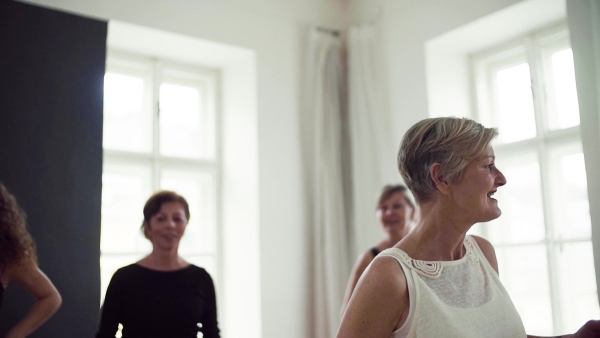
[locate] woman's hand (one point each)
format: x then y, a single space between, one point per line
588 330
47 298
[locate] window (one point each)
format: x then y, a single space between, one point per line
160 132
526 88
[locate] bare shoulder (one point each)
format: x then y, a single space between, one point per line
483 243
378 301
21 271
488 250
365 259
387 270
30 277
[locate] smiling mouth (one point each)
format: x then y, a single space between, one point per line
490 194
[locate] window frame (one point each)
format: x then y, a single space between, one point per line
533 46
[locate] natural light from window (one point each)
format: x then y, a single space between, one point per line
527 89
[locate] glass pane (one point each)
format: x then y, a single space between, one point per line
514 103
125 189
127 118
524 274
520 200
183 129
579 299
570 211
199 190
565 109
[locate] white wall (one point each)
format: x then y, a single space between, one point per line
273 31
406 27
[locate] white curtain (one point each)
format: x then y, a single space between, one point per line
373 154
323 109
584 27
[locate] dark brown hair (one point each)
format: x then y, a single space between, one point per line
16 244
389 190
155 202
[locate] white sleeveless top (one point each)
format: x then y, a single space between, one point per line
462 298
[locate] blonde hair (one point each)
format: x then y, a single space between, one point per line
453 142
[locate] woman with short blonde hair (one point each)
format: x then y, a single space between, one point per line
438 281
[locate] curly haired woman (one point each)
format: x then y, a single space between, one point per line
18 263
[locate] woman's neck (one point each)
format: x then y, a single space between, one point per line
163 261
436 237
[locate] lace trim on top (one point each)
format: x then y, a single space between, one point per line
433 269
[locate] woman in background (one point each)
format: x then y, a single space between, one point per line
395 212
161 295
18 263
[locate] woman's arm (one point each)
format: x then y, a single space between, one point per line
110 312
359 267
210 325
377 303
47 298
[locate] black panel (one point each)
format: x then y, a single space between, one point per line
51 86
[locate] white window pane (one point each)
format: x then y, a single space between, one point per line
524 274
125 189
514 103
199 190
520 200
127 121
570 211
564 108
579 298
183 130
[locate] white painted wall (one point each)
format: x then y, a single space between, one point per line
273 31
406 27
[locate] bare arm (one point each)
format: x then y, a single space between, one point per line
359 267
377 303
47 298
590 329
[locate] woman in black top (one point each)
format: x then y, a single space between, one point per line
162 295
395 212
18 263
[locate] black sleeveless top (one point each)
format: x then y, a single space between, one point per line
374 251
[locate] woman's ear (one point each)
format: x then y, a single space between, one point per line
146 228
438 178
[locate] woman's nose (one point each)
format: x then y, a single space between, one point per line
501 178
